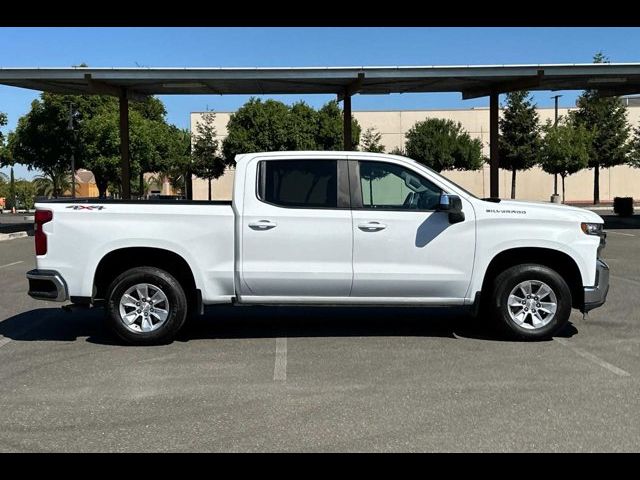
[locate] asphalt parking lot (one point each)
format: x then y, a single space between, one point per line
320 379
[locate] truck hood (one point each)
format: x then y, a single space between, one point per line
551 210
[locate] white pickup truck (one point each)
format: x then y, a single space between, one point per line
322 228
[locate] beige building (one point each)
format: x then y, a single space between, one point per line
532 184
86 184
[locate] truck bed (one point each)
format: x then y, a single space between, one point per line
107 201
84 231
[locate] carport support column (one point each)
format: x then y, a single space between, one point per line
346 114
125 167
494 159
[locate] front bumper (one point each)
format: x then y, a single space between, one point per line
595 296
47 285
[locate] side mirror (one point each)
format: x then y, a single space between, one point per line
453 205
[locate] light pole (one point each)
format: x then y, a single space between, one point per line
73 159
555 124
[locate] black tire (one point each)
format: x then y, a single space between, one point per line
177 308
506 281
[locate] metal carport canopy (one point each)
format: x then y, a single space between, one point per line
471 80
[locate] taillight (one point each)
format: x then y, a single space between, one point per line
41 217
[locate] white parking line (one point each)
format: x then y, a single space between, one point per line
280 368
620 233
11 264
595 359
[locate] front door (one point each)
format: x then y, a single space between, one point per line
403 248
296 230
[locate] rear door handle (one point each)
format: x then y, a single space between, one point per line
263 225
372 226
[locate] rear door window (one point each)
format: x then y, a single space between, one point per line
299 183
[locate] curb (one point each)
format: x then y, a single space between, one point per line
11 236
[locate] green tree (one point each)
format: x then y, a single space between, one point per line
606 118
101 144
4 185
330 134
154 146
565 149
4 161
257 127
45 187
147 147
7 190
302 127
25 194
272 126
150 108
176 153
43 140
519 140
3 153
443 145
371 141
207 162
634 157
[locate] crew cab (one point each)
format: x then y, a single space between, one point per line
321 228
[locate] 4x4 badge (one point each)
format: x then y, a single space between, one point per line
86 207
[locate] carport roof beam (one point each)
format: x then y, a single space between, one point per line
475 79
471 80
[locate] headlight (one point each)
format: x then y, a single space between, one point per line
592 228
596 229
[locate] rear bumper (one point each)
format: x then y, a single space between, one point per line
595 296
47 285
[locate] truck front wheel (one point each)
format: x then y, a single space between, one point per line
530 301
146 306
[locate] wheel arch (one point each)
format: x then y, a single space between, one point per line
122 259
556 260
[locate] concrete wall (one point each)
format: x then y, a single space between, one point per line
533 184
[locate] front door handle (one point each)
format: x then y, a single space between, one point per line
372 226
263 225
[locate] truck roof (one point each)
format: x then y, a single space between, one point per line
310 154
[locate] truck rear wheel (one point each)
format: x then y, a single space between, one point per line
146 306
530 302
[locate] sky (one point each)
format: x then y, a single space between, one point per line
299 47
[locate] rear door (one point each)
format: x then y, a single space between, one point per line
296 229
